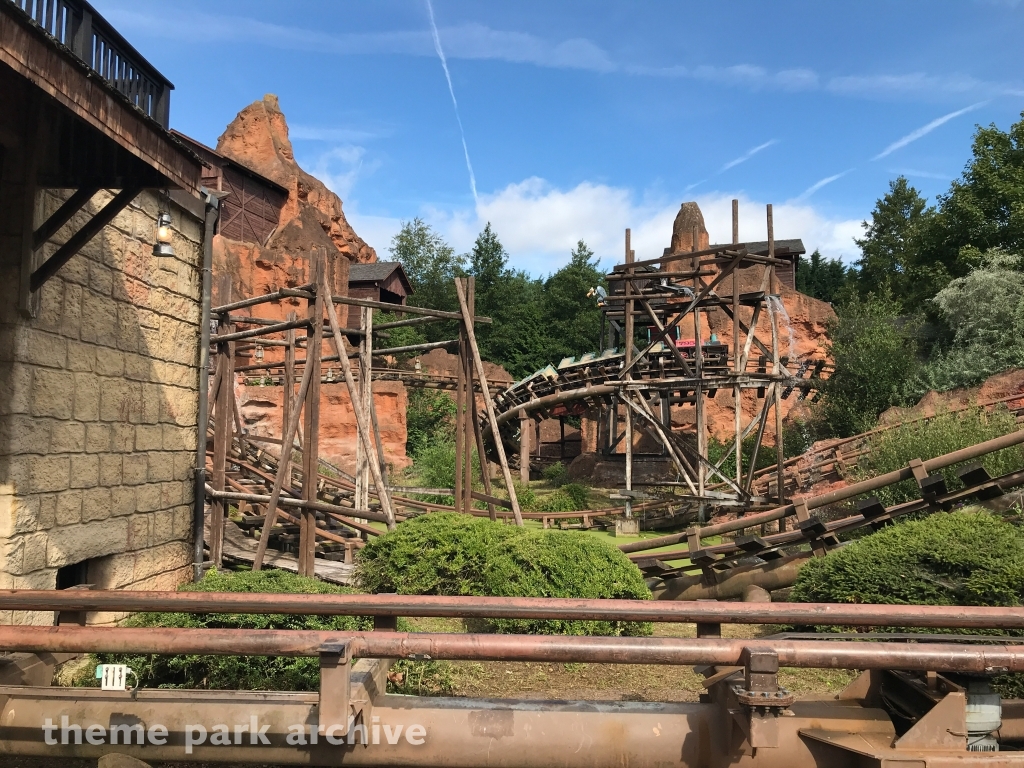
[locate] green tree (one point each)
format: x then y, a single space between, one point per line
516 338
572 320
822 278
985 312
892 249
432 266
984 208
875 354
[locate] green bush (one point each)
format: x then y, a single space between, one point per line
556 474
967 557
238 672
450 554
579 493
945 433
526 495
430 419
961 558
571 497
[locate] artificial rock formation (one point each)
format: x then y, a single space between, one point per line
258 139
311 221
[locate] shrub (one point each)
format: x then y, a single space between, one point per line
556 474
450 554
525 494
874 354
430 419
579 493
241 672
946 432
967 557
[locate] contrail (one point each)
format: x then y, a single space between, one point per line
818 185
743 158
451 90
925 130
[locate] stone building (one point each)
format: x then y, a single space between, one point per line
99 329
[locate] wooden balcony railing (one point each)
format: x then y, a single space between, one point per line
76 25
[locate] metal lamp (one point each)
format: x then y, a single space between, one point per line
162 246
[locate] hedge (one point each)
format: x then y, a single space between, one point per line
450 554
968 557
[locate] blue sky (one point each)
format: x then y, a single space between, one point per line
581 119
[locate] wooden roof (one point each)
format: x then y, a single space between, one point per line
379 272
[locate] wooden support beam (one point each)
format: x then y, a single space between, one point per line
62 215
361 426
311 421
90 229
467 318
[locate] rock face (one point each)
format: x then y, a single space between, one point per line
258 139
311 221
261 411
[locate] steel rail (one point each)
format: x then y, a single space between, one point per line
838 614
817 654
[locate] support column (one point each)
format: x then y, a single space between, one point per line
311 421
629 333
525 433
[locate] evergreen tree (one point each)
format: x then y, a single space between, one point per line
892 257
572 319
822 278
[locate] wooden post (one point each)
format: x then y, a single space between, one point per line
287 439
470 403
362 497
629 333
223 415
460 419
484 471
311 422
780 467
525 433
361 426
288 392
698 391
372 406
467 320
737 392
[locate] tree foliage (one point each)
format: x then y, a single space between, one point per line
823 278
874 356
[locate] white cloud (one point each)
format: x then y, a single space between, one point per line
339 168
924 130
539 223
480 42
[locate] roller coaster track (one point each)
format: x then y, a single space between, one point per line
817 533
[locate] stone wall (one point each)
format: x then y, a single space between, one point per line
98 404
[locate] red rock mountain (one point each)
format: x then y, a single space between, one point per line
258 139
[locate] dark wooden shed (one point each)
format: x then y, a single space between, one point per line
252 208
787 250
381 281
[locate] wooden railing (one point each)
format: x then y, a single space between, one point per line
76 25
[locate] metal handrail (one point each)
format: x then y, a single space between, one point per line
76 25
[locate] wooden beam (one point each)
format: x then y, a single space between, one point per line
75 243
467 318
62 215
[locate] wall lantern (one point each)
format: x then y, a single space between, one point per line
259 352
162 246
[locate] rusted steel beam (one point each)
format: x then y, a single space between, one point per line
840 614
817 654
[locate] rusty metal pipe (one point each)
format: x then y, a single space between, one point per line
840 614
817 654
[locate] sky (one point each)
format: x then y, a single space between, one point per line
574 120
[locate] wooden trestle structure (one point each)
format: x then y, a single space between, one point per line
631 386
302 485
